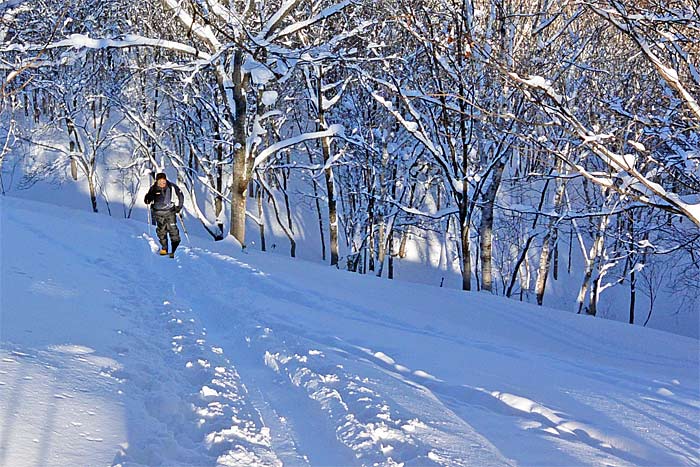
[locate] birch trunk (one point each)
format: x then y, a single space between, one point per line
548 245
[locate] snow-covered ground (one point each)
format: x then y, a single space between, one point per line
111 355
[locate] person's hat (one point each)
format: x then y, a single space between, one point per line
161 175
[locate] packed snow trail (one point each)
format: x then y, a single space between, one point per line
112 355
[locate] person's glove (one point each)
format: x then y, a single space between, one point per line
178 209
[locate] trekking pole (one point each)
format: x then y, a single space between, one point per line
184 229
149 220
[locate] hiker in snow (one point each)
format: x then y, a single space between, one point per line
162 194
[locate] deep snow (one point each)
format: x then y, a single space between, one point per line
111 355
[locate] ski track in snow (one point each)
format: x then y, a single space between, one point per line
211 422
232 375
379 429
363 417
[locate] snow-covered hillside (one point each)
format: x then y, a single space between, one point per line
111 355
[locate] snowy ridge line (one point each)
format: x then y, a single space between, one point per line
279 286
555 329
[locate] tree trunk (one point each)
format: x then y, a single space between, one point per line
36 108
466 256
381 247
549 251
370 232
543 270
549 243
390 272
486 229
332 212
73 163
633 294
238 206
261 220
404 241
242 167
593 299
595 251
570 255
523 254
285 227
73 146
584 288
287 207
330 188
319 213
555 263
218 200
93 194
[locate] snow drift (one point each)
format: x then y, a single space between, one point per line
111 355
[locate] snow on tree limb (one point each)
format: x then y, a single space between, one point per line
227 15
276 19
333 130
300 25
441 214
627 25
79 41
615 161
203 32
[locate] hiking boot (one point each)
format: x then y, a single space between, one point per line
163 252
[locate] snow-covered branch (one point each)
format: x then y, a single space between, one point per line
79 41
595 142
333 130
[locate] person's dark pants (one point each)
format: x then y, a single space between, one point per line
166 224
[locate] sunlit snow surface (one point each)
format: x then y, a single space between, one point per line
112 355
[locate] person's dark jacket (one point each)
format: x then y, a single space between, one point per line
162 198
